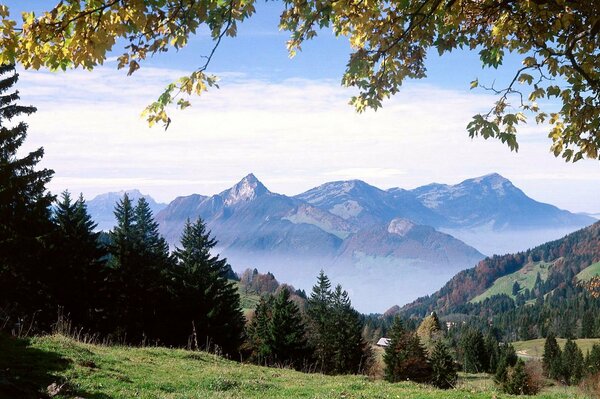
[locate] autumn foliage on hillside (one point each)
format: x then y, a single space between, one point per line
569 256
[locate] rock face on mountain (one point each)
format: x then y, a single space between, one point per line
102 207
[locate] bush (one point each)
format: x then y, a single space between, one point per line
519 381
591 385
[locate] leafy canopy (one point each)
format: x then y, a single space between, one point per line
557 40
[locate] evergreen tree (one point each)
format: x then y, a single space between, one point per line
79 261
276 334
24 211
475 357
572 363
335 330
351 354
508 358
206 299
552 358
321 331
405 357
516 288
593 360
443 369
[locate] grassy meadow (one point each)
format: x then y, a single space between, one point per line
115 372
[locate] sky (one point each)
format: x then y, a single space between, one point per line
286 120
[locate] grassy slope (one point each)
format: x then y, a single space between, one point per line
525 276
589 272
535 347
101 372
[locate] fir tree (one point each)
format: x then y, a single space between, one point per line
405 357
593 360
79 261
336 330
572 363
552 358
443 369
351 354
321 333
276 334
206 299
24 209
475 357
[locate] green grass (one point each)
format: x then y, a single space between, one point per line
525 277
535 348
248 301
589 272
102 372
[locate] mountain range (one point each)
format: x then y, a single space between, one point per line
411 241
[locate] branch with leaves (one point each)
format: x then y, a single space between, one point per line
557 39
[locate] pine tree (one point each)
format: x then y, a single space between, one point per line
443 369
24 209
276 334
593 360
572 363
475 357
405 357
205 297
321 333
508 358
79 261
552 358
351 354
335 330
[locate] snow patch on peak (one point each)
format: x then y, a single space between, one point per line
247 189
400 226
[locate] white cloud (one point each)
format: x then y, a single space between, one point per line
293 134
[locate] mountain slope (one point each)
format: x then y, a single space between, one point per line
568 257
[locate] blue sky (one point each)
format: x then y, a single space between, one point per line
287 121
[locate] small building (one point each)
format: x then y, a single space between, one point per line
383 342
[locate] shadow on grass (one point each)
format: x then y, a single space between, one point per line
26 372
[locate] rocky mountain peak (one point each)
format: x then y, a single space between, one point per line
245 190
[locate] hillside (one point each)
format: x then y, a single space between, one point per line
569 256
101 372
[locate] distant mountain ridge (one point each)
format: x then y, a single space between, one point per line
406 240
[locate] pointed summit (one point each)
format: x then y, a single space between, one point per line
245 190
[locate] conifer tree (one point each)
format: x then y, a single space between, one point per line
336 330
276 334
443 369
24 208
79 260
475 357
552 358
351 354
321 333
518 381
206 299
572 363
405 357
593 360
